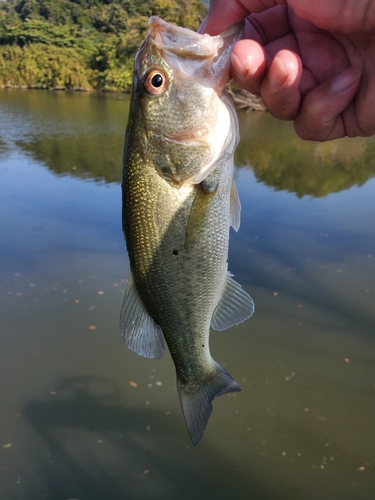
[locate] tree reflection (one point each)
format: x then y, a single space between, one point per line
3 148
86 156
281 160
87 142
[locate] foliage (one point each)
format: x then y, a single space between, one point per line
80 44
41 66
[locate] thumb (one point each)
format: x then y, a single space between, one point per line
221 15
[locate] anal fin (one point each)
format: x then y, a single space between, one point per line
235 306
139 331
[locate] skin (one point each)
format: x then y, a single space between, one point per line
312 62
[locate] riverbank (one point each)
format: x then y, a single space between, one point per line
243 100
86 46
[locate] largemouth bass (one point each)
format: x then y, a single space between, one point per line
179 201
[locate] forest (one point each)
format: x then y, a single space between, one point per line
80 44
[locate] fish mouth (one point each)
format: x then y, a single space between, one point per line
182 41
188 54
206 57
188 43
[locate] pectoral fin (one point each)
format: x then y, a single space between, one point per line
235 208
198 212
235 306
140 332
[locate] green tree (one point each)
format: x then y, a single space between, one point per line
83 44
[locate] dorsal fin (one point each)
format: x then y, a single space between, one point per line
140 332
235 306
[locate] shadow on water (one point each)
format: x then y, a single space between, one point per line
73 468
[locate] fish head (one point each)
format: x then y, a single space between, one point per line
179 81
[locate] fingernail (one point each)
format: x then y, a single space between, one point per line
238 68
277 78
343 81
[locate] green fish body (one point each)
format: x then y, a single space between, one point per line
179 201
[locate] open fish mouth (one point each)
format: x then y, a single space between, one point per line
182 41
188 44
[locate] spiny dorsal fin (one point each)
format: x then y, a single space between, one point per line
140 332
235 306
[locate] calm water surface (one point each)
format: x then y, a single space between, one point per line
81 417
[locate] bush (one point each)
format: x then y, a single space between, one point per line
80 44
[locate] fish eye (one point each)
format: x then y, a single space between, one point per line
155 82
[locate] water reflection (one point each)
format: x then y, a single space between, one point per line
70 133
85 156
3 148
83 135
281 160
303 427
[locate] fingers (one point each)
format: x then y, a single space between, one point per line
268 26
341 16
267 62
221 15
320 117
321 112
224 13
280 87
248 65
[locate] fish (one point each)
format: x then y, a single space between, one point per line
179 201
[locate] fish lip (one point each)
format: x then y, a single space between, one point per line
182 41
188 43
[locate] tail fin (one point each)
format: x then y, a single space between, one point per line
196 402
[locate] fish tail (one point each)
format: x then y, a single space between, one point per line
196 401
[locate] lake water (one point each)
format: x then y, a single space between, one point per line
83 418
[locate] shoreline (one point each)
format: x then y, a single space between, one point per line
62 89
243 100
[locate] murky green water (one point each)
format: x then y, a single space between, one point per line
83 418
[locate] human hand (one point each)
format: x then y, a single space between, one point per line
312 62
